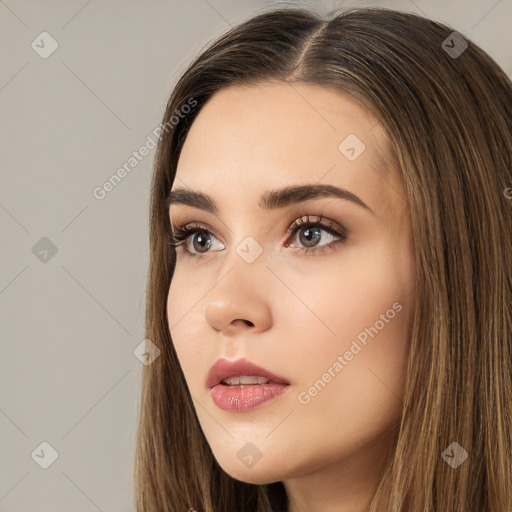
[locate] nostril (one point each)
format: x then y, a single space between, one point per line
247 322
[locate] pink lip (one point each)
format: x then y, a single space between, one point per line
222 369
242 399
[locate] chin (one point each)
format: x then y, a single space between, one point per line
262 472
251 476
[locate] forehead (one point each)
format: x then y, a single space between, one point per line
249 139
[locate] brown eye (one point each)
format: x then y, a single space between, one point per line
310 236
310 233
201 241
196 239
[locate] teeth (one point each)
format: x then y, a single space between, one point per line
244 380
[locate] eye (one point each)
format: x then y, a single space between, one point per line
308 232
182 235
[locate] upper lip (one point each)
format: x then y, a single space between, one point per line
223 368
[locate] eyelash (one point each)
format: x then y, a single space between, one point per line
181 233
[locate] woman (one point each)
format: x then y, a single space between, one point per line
331 273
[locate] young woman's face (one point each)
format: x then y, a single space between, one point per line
333 322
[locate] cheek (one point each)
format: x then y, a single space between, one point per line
339 299
359 311
183 301
184 321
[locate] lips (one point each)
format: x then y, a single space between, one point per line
224 369
241 386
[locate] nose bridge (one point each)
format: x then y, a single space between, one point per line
246 252
241 289
244 266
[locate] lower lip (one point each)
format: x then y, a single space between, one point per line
242 399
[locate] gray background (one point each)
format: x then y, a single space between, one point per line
71 321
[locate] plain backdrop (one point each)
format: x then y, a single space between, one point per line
73 267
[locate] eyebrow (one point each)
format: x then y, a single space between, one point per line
270 200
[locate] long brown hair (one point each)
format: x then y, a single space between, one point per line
447 112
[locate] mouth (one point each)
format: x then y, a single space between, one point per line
241 372
242 381
240 386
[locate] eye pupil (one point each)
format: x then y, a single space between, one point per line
313 234
203 242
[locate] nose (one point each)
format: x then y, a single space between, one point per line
240 300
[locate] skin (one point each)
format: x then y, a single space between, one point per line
305 309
